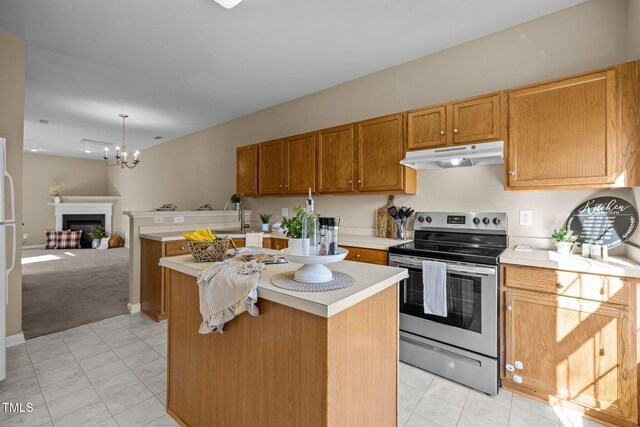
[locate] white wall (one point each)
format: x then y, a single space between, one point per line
81 177
200 168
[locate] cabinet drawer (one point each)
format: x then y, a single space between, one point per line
372 256
279 244
570 284
176 248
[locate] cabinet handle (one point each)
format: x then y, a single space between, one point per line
509 308
350 182
360 182
455 131
182 248
442 132
286 186
602 352
280 186
357 256
254 187
512 173
559 285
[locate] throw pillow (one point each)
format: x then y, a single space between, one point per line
52 239
69 239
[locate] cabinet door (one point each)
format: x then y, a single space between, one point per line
380 149
336 160
563 133
477 120
279 244
270 172
247 170
300 173
575 349
427 128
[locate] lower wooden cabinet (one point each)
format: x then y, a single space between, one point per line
152 277
279 244
372 256
559 346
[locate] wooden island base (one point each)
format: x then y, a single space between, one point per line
285 367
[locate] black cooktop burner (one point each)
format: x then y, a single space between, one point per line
454 247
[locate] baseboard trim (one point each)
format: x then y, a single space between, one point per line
34 246
14 340
133 308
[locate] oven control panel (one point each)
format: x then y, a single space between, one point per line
493 222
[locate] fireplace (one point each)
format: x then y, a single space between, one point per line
83 216
84 222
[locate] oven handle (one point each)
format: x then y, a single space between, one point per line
483 271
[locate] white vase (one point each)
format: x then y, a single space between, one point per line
56 199
265 227
564 248
299 246
95 243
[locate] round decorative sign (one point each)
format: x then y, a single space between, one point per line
603 221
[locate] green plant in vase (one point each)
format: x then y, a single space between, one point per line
564 239
265 218
97 234
299 229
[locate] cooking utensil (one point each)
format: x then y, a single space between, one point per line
393 211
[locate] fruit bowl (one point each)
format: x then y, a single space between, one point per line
313 269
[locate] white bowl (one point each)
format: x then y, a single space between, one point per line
313 270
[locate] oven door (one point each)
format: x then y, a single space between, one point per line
472 305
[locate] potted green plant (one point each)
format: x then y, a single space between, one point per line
564 240
299 229
235 202
265 218
97 234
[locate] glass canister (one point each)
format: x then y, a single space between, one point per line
331 234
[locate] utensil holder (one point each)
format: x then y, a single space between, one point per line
401 229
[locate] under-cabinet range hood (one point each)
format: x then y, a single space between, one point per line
486 153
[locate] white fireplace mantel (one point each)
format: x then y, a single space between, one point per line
105 209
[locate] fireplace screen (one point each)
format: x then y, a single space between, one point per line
83 222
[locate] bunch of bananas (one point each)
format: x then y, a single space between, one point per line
201 235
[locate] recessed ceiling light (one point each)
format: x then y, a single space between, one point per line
88 151
34 150
228 4
44 121
158 137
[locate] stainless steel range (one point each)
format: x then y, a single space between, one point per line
462 346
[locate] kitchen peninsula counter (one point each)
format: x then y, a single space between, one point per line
309 358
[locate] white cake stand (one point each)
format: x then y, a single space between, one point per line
314 270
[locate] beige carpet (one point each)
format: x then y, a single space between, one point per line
62 289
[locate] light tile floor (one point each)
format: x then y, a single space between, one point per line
113 373
426 400
108 373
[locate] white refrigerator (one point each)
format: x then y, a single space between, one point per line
8 244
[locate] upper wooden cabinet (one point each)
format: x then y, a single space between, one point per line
337 160
577 132
472 120
247 170
380 149
477 120
300 160
270 169
427 128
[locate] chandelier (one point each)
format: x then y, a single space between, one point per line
120 158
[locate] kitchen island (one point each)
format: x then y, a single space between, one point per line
309 358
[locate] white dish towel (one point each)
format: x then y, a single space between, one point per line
227 289
434 282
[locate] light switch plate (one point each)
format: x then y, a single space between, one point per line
284 212
178 219
158 220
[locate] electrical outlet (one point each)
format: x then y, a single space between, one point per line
284 212
158 220
526 217
178 219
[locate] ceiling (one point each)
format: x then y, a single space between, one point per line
177 66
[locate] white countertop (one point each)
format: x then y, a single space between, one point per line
614 265
369 280
172 236
354 240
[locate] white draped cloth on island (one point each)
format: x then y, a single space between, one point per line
227 289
